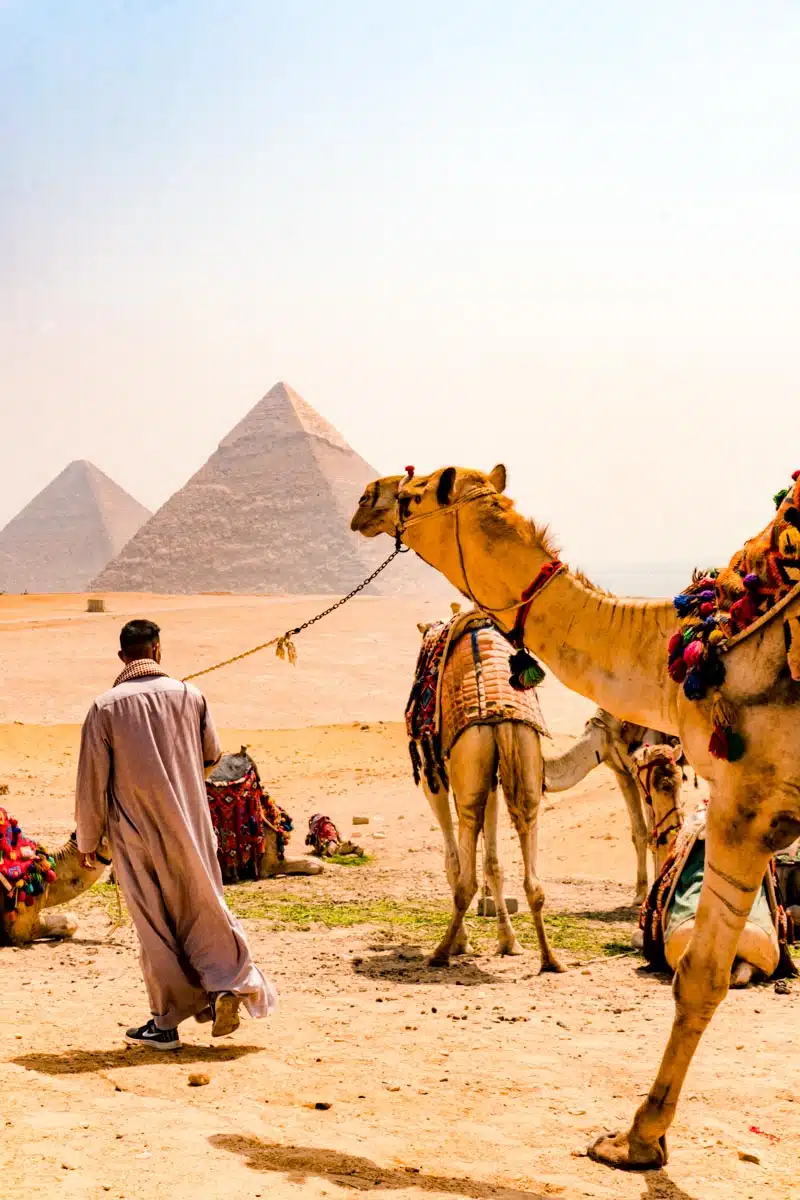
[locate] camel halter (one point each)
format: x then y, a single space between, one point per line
522 608
656 837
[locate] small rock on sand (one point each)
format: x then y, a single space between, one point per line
198 1079
749 1156
361 820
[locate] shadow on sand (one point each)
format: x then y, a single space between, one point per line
84 1062
408 963
359 1174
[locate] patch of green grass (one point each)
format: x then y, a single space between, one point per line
349 860
422 922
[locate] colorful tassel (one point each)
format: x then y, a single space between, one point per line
526 672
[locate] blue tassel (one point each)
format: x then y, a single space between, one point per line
684 604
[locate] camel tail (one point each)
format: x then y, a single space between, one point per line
514 769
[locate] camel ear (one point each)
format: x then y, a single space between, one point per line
497 478
455 608
444 488
421 627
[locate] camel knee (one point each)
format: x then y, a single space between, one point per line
699 987
534 892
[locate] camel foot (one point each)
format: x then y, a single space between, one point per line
463 948
742 974
627 1152
438 959
297 866
639 898
637 939
56 925
512 947
552 964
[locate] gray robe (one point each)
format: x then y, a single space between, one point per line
144 746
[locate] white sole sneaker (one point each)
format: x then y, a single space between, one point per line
226 1015
154 1044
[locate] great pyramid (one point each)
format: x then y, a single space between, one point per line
68 533
268 513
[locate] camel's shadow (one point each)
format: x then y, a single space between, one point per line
408 963
83 1062
352 1171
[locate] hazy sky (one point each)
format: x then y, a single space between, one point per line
561 235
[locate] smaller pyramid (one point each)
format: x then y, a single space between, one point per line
68 533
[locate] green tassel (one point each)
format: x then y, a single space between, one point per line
526 672
780 496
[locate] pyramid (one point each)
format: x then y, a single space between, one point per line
268 513
68 532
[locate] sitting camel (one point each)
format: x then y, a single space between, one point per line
29 922
251 830
668 916
725 682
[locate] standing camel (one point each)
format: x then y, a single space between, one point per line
615 651
604 740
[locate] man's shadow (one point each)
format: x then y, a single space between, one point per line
83 1062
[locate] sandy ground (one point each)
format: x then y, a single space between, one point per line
485 1080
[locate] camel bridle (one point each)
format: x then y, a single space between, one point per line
522 607
658 835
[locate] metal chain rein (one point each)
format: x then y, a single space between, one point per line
284 645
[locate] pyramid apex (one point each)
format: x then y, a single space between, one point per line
283 413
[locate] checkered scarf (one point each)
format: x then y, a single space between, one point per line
140 668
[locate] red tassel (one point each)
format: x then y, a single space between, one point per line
718 746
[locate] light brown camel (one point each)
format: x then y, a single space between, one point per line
33 923
615 651
505 743
604 740
758 953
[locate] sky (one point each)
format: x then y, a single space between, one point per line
560 236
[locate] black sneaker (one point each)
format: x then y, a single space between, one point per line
151 1035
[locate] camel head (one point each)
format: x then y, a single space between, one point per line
377 508
660 780
402 505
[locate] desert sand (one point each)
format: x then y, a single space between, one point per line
484 1080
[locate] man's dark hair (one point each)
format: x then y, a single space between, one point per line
138 635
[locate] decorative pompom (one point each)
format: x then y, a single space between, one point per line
795 475
683 604
707 609
780 496
751 582
715 637
694 686
677 670
690 632
693 654
675 647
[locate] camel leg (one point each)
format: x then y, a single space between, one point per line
271 865
440 807
732 877
506 938
34 924
639 833
472 768
521 777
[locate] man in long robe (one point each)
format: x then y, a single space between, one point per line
146 747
